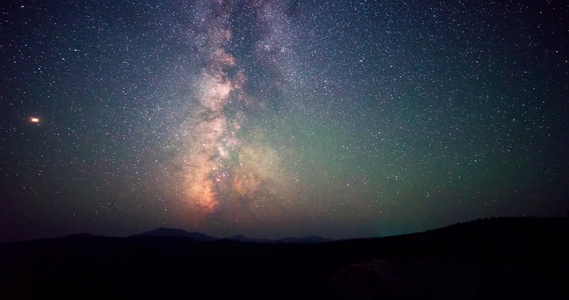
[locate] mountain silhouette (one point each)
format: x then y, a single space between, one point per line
200 237
288 240
501 258
173 232
305 240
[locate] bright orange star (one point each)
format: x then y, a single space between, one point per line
34 120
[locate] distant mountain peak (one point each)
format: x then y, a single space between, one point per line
239 237
166 231
81 235
289 240
174 232
304 240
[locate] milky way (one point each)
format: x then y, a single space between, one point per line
280 118
225 171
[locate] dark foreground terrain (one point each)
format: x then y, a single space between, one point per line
506 258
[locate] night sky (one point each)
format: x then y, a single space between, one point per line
280 118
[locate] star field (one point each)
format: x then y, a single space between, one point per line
280 118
